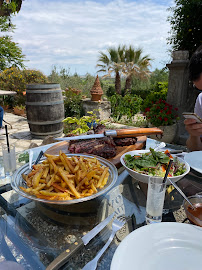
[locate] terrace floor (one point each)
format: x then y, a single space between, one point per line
19 134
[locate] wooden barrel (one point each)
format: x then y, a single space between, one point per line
45 109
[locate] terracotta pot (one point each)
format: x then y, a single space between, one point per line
169 133
19 111
96 97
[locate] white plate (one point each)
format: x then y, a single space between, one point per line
194 159
167 246
153 144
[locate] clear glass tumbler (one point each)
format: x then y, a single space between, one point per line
9 159
155 200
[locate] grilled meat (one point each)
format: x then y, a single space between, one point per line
103 147
124 141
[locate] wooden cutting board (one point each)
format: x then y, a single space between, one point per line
120 150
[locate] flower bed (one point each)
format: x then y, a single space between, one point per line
161 114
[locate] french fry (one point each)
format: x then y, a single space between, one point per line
76 168
59 187
51 180
75 159
102 177
33 172
88 177
47 193
82 165
64 162
45 172
94 188
55 168
70 185
36 178
63 178
68 163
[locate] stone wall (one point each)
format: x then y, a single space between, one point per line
101 108
180 92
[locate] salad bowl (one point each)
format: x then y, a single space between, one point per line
144 177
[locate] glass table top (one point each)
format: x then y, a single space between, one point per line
34 234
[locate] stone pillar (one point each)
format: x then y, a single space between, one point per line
101 108
180 93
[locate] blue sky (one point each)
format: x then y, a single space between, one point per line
69 33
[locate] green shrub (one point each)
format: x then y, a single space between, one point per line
160 86
14 79
142 93
128 105
160 92
76 125
152 98
110 91
73 104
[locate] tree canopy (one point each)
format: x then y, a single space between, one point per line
9 7
186 25
124 60
111 62
10 52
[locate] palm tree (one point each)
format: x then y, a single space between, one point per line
112 63
135 65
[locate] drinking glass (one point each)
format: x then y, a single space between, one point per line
155 200
1 168
9 159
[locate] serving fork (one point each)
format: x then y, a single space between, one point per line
117 224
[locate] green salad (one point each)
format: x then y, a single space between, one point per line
154 163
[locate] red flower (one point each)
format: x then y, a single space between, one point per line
160 118
176 109
165 119
147 109
168 112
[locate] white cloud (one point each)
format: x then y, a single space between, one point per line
71 33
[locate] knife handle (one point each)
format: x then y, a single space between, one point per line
138 132
65 255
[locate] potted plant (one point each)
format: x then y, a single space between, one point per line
163 115
19 110
78 126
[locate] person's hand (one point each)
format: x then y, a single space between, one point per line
193 128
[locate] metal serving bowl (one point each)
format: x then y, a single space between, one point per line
18 181
194 216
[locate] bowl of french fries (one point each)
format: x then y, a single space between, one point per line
65 179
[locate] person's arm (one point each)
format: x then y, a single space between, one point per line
194 143
194 129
